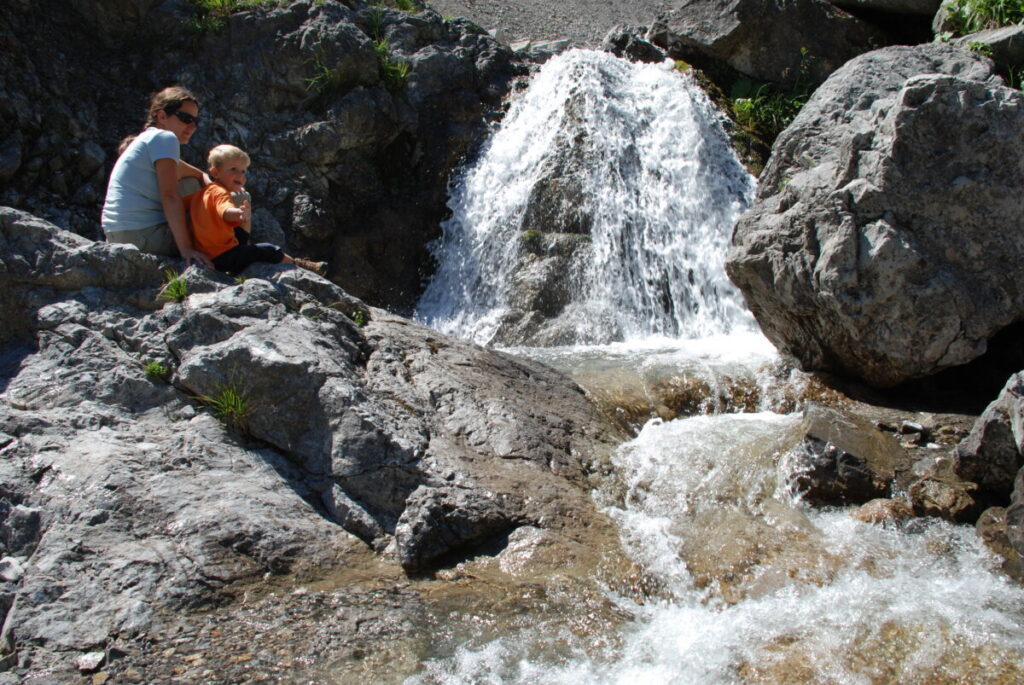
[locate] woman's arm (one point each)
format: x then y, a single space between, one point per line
186 170
174 212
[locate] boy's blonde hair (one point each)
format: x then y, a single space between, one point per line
226 153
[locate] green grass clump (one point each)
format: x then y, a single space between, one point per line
212 15
176 287
156 371
230 405
970 16
359 318
325 80
393 72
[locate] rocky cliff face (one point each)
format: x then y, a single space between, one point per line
350 163
343 428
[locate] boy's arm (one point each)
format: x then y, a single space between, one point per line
239 215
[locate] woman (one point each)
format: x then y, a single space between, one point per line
143 205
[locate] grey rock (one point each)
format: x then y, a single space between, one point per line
1005 46
90 661
926 8
992 529
763 39
991 455
881 243
133 503
11 569
945 498
21 530
631 43
1015 516
439 521
842 459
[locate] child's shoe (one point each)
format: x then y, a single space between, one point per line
319 268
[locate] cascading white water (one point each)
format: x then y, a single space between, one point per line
749 585
659 186
758 589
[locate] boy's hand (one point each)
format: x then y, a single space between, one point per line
246 213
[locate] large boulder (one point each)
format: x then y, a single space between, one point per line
884 241
769 40
344 433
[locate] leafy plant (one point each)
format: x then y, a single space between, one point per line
230 405
767 109
156 371
681 66
176 287
970 16
980 47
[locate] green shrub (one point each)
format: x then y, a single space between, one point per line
230 405
156 371
970 16
767 109
176 287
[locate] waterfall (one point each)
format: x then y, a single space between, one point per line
600 211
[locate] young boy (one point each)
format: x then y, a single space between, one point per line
221 218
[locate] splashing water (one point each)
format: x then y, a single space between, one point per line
742 583
622 177
757 589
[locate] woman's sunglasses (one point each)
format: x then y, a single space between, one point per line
186 118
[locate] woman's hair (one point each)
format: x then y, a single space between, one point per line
226 153
169 100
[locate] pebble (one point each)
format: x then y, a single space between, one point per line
90 661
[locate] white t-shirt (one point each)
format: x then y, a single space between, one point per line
133 194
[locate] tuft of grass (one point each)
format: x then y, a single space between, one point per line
970 16
359 318
393 72
211 16
156 371
176 287
325 80
230 405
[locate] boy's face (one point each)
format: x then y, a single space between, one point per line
230 174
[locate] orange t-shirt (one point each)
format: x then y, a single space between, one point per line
210 233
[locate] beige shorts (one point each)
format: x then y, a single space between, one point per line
154 240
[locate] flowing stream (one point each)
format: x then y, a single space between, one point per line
742 582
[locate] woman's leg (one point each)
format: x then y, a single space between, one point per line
154 240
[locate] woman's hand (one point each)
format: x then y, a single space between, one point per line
192 255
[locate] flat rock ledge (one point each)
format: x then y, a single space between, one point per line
346 433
